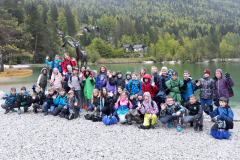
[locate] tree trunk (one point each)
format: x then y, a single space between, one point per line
1 61
35 50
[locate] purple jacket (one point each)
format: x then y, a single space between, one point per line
221 89
110 88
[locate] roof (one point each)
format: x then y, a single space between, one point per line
138 46
126 45
94 27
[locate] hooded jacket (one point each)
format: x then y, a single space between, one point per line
100 81
57 81
42 79
173 109
147 106
75 81
66 63
118 81
40 97
134 86
124 106
72 108
191 88
10 99
25 98
226 113
88 86
60 100
174 87
147 86
111 87
207 88
53 63
195 109
162 83
49 99
221 89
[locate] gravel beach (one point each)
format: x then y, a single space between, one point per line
34 136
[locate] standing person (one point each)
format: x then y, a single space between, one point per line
53 64
10 101
74 83
142 73
81 74
37 99
120 81
134 85
149 86
101 79
88 84
155 76
43 79
67 76
67 61
111 82
207 89
221 85
56 80
23 100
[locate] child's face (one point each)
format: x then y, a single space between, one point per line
95 94
60 63
154 70
193 100
62 93
104 92
128 76
44 71
119 75
37 90
169 101
102 69
71 95
23 91
119 90
50 92
87 73
146 80
170 73
13 92
146 98
222 104
206 75
164 72
142 72
56 57
108 73
134 76
83 69
174 77
123 96
75 71
186 75
140 98
218 75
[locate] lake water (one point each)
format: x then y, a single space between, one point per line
196 71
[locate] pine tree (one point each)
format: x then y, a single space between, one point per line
70 20
62 23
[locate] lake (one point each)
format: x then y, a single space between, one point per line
196 70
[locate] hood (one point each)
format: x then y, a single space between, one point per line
189 79
150 99
119 72
219 70
170 70
128 72
44 69
147 76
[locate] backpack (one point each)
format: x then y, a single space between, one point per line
230 90
138 84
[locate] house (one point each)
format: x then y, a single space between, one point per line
87 30
95 28
60 33
69 43
138 48
110 39
128 47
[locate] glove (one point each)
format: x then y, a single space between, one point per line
83 81
222 119
227 75
23 103
91 80
185 82
215 78
214 99
211 108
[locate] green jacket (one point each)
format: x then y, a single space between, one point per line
88 86
175 89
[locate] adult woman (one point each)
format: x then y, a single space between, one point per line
67 61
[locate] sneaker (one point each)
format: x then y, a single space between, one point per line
179 128
7 111
153 126
46 113
195 127
80 110
35 111
13 110
19 111
201 128
170 124
81 106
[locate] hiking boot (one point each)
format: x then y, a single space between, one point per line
201 128
26 109
129 123
61 116
35 111
19 111
152 126
195 127
191 124
13 110
144 127
46 113
170 124
7 111
179 128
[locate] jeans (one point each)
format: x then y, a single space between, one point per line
48 106
43 90
193 119
7 107
65 111
87 102
78 96
91 108
206 101
168 118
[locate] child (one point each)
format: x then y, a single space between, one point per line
101 78
207 89
149 86
37 99
10 101
222 84
67 76
111 82
155 75
120 81
88 83
43 79
149 109
225 118
134 85
172 111
191 87
122 107
195 113
59 66
59 101
95 101
175 86
70 109
74 83
48 104
24 100
116 97
56 80
105 102
170 72
142 73
53 64
128 76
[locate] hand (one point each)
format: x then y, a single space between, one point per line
95 108
139 105
33 97
227 75
149 116
163 106
110 94
110 75
5 96
126 81
75 104
90 77
211 108
198 83
64 73
54 96
47 57
73 59
65 107
153 83
178 113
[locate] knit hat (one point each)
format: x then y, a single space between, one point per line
69 67
223 99
76 69
207 71
174 73
164 68
139 94
170 70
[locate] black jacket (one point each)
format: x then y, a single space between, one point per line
96 102
49 99
25 98
194 109
39 98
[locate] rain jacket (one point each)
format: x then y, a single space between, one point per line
72 108
88 86
172 110
147 86
25 98
111 87
75 81
10 99
226 113
134 86
49 99
100 81
162 82
147 106
60 100
207 88
191 88
54 63
66 63
195 109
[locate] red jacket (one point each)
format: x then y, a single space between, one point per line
147 87
66 63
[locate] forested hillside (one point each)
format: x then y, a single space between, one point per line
187 30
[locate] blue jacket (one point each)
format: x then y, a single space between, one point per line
191 88
10 99
226 113
134 86
54 64
100 83
60 100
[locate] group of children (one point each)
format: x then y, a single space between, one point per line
142 98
